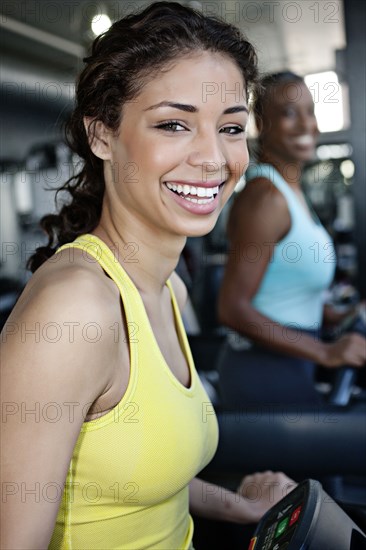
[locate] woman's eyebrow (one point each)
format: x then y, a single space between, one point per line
236 109
180 106
192 109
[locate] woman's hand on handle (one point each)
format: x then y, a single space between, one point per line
263 490
349 350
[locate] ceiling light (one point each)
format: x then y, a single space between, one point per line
100 23
347 169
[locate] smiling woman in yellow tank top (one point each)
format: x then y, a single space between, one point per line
125 424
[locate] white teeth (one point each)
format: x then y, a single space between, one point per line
193 190
305 140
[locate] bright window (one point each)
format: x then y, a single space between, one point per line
327 96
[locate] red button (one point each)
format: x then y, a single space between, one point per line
252 543
295 515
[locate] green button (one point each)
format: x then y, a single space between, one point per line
281 528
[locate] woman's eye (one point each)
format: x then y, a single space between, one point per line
291 113
232 130
171 126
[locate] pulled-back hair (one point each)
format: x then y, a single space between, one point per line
121 62
266 88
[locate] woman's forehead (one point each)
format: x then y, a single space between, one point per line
203 74
284 93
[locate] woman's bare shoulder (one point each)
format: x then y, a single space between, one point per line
70 280
259 209
64 317
260 193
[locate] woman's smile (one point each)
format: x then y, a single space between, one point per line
198 199
192 190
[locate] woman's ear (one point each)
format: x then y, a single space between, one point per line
258 123
99 137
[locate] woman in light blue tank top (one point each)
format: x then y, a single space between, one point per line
281 260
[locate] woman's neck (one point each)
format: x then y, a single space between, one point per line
148 256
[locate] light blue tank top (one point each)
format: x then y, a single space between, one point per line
302 266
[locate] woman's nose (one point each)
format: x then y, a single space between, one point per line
207 151
307 122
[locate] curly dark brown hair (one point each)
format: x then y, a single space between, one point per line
121 61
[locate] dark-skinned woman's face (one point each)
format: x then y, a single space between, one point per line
288 127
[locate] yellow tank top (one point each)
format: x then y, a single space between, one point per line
127 484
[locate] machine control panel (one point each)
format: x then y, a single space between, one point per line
280 525
307 519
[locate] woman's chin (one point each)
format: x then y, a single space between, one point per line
201 229
305 154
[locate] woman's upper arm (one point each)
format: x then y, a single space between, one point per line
49 377
258 220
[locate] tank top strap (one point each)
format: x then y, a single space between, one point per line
106 258
134 307
182 335
95 248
